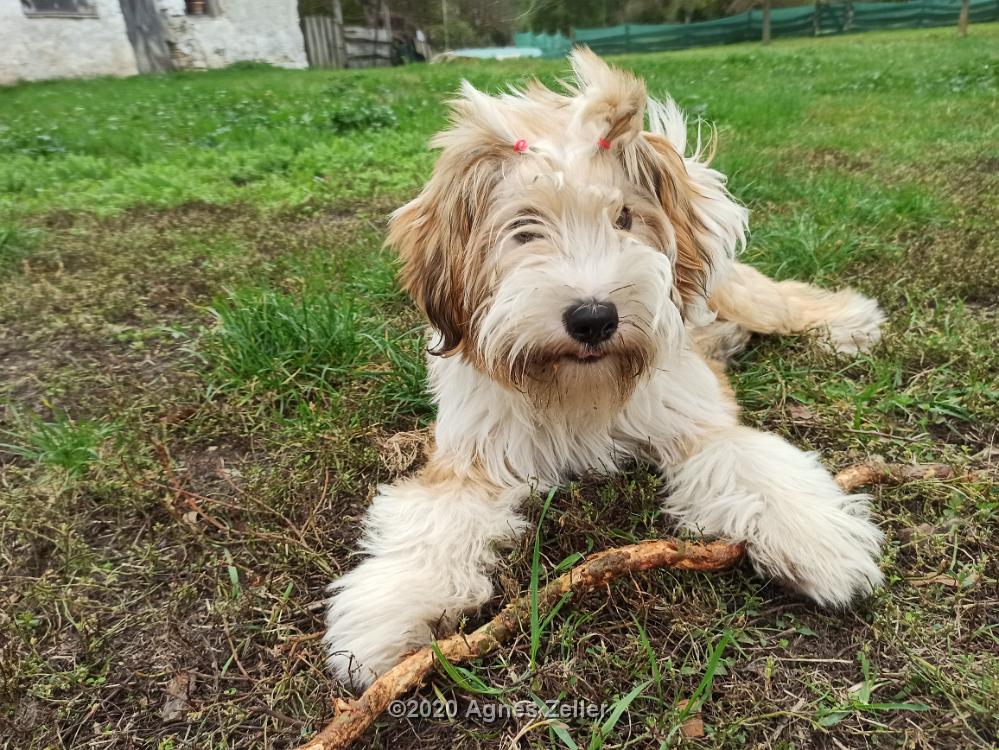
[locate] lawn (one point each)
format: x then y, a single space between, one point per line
205 360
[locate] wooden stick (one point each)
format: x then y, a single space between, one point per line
878 472
354 717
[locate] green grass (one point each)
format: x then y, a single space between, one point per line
206 366
62 444
310 350
16 245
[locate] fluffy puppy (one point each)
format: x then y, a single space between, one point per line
576 266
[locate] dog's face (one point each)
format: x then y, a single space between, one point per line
557 246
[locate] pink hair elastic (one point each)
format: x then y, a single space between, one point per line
520 146
603 143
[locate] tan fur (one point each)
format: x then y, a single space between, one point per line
727 392
670 184
761 305
614 99
441 473
720 340
434 235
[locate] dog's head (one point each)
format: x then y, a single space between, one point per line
559 244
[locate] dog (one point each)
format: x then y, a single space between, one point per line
577 269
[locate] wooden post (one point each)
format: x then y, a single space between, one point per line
387 23
339 42
766 21
962 21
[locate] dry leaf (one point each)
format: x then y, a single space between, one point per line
921 531
693 725
178 691
943 580
801 413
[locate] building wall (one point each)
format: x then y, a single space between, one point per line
34 49
261 30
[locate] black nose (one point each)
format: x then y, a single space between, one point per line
591 322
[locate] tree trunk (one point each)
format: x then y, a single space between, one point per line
371 10
447 41
766 21
386 17
962 22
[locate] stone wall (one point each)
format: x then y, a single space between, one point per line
39 48
261 30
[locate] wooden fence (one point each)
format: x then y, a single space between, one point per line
330 44
323 42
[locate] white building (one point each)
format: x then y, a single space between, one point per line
42 39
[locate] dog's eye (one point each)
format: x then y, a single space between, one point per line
624 219
527 235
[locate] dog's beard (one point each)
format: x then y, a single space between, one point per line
566 377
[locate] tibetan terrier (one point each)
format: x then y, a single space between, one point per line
574 258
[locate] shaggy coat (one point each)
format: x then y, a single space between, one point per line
541 204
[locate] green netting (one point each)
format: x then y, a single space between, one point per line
805 20
551 45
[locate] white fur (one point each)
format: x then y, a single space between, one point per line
748 486
430 555
853 324
427 562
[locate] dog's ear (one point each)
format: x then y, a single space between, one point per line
664 175
437 234
609 102
433 236
708 224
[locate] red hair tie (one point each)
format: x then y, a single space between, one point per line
603 143
520 146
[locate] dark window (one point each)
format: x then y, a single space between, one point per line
60 8
201 7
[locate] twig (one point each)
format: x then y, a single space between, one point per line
179 492
191 499
263 708
878 472
354 717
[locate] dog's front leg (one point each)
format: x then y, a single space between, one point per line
798 526
430 543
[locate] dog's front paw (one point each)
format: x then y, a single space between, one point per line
855 324
371 624
834 560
